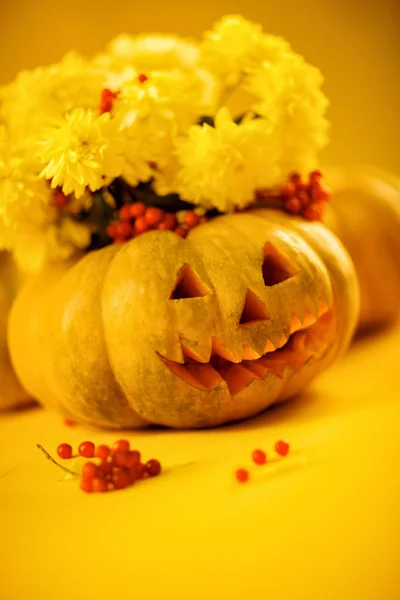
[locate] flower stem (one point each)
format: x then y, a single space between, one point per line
47 455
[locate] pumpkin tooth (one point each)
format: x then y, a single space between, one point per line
183 372
249 353
275 337
322 308
283 341
309 320
237 377
254 372
222 351
206 375
269 347
276 365
173 351
301 310
295 324
199 354
256 367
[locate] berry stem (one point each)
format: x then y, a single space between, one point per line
49 457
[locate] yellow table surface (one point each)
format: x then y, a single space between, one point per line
321 524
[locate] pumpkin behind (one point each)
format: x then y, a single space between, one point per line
11 392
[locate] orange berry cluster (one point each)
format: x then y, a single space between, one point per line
305 198
118 467
137 218
259 457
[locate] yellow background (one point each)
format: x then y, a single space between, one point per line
356 44
322 524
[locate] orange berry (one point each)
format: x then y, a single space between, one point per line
141 470
89 470
103 452
141 225
153 467
125 213
314 190
153 215
132 458
168 221
121 480
288 190
120 240
111 230
137 209
142 78
64 451
295 178
304 198
259 457
123 230
60 199
181 231
86 485
120 445
315 176
293 205
282 447
107 98
105 468
315 211
324 194
242 475
99 485
120 458
191 219
86 449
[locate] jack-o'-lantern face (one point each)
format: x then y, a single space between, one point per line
218 326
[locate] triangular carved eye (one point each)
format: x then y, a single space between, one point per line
276 268
254 310
189 285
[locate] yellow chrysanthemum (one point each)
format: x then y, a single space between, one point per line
24 198
82 150
235 47
35 97
222 167
166 97
152 114
290 95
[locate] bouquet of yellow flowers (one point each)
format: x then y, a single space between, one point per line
149 122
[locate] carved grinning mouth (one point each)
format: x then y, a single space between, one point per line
306 340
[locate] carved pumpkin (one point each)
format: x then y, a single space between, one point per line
11 392
187 333
365 215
